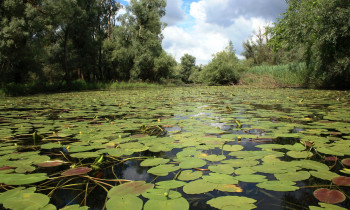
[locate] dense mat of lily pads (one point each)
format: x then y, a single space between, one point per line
176 148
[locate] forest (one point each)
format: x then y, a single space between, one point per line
54 44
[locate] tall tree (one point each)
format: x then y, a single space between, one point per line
323 27
188 63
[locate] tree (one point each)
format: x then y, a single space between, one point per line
323 28
224 68
188 63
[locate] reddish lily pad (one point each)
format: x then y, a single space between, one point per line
341 181
76 171
329 196
132 188
6 168
346 161
331 158
51 163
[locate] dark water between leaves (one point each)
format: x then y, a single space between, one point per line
176 148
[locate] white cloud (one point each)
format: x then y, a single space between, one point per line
204 38
174 13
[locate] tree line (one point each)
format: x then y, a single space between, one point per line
52 41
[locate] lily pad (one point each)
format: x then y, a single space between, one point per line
188 175
327 207
20 179
154 162
346 161
222 168
132 188
51 163
299 154
27 200
218 178
198 187
326 175
232 202
341 181
171 204
163 170
188 163
293 176
282 186
253 178
76 171
171 184
229 188
124 202
161 194
329 196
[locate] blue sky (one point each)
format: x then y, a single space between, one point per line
204 27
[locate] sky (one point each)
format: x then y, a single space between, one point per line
204 27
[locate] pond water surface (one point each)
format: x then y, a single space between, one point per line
176 148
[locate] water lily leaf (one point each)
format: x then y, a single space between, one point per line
311 164
198 187
240 162
188 163
131 188
20 179
51 163
171 184
299 154
51 207
217 178
346 161
229 188
51 146
76 171
232 202
244 171
329 151
16 192
124 202
24 168
163 170
341 181
253 178
154 162
222 168
161 194
188 175
171 204
293 176
282 186
326 175
329 196
232 148
75 207
27 201
326 206
85 154
215 158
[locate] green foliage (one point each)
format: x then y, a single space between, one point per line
188 64
224 68
323 28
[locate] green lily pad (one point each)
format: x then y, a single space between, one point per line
282 186
131 188
74 207
232 202
171 204
154 162
215 158
232 148
326 206
229 188
27 201
163 170
125 202
293 176
244 171
20 179
299 154
217 178
198 187
222 168
188 175
326 175
171 184
191 162
161 194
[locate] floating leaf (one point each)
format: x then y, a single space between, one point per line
20 179
198 187
341 181
222 168
215 158
51 163
192 163
161 194
326 206
278 186
27 201
76 171
188 175
124 202
232 202
74 207
163 170
217 178
232 148
299 154
244 171
154 162
293 176
346 161
171 184
171 204
329 196
326 175
131 188
229 188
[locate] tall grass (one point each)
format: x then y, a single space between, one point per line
133 85
291 75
